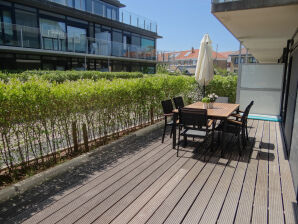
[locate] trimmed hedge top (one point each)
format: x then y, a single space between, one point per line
62 76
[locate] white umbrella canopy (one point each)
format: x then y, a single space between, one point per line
204 70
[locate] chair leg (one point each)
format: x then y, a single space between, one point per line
164 133
212 140
244 137
239 144
185 141
171 131
178 142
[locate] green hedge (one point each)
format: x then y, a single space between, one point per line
36 116
62 76
224 86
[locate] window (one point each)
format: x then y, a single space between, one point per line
77 39
148 48
236 61
135 46
27 33
6 31
126 44
53 34
62 2
114 14
80 4
70 3
98 8
109 13
188 53
117 44
102 44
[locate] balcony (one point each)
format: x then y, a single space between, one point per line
99 8
143 181
59 42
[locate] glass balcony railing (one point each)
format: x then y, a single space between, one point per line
100 8
57 40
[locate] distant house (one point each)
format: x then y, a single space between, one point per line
233 57
187 60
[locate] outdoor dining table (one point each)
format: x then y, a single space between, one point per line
220 111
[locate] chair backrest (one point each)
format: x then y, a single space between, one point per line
178 101
222 99
193 117
167 106
246 112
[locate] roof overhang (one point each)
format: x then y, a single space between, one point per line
264 31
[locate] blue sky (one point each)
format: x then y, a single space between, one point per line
182 23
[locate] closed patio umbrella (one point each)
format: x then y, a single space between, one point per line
204 70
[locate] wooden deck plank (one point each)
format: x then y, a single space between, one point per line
244 209
275 205
230 204
110 208
288 193
196 211
188 198
85 213
127 214
260 206
144 214
214 206
104 190
177 214
99 179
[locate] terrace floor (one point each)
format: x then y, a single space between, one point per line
143 181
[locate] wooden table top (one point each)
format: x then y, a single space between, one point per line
220 110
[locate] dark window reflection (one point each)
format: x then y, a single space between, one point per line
53 35
77 39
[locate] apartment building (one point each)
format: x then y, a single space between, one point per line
75 34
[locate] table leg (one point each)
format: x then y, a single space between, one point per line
174 129
223 137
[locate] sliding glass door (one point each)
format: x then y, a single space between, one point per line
77 39
53 34
6 27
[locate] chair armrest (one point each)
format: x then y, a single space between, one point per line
236 115
235 122
210 122
168 115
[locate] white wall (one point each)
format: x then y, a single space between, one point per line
263 84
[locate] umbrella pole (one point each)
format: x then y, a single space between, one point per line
204 89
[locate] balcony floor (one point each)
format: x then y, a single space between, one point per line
143 181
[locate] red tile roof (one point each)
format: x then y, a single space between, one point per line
190 54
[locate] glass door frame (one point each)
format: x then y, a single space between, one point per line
80 26
2 35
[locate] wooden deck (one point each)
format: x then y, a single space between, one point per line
153 185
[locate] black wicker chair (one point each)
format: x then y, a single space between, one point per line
195 124
167 107
238 116
178 101
239 128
